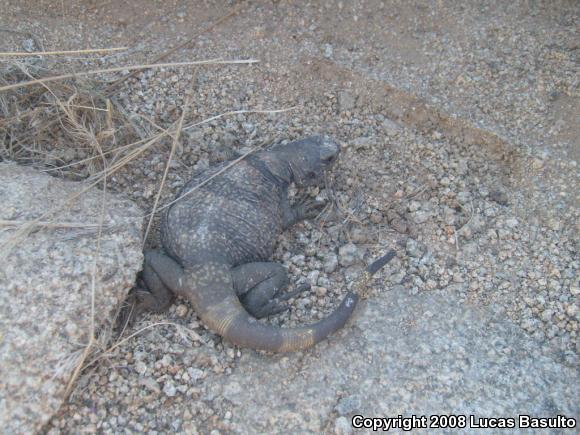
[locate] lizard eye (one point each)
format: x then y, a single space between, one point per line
329 159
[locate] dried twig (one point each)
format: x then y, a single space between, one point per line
124 68
45 224
66 52
237 112
166 171
207 180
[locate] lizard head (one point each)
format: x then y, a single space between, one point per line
309 158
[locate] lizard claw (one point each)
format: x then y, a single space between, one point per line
289 295
308 208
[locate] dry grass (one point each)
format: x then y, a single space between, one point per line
51 126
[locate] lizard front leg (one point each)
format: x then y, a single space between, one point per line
305 208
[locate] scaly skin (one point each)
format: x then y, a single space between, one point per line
218 239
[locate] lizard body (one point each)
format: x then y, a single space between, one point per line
218 239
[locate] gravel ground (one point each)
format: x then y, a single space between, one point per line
460 134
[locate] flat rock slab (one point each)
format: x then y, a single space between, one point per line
45 286
423 354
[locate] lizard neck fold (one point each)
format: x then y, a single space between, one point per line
273 169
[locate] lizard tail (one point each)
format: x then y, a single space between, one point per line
221 311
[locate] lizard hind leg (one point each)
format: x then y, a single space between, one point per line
259 287
159 276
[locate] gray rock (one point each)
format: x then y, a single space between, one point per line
391 127
464 197
248 127
29 45
45 281
328 51
449 216
228 139
140 367
349 404
414 206
399 225
554 224
304 303
313 277
421 216
346 101
359 235
511 222
477 223
195 374
320 291
151 384
361 143
352 272
547 315
499 196
414 248
233 391
169 389
348 254
342 426
298 260
330 263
